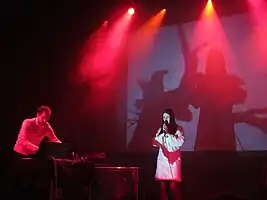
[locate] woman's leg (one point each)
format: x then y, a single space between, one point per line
163 190
176 190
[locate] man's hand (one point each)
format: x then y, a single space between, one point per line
33 148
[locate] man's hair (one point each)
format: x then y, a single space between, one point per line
45 109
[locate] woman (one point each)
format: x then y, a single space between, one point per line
169 139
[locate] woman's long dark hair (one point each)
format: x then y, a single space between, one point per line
172 126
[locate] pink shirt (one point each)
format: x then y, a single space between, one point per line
31 135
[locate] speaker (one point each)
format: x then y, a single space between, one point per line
115 183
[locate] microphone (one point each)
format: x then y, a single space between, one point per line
165 123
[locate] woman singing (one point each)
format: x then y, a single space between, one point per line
169 139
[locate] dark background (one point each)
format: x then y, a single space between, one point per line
41 44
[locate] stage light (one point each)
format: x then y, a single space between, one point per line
163 11
131 11
209 8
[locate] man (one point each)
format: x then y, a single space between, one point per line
23 173
33 131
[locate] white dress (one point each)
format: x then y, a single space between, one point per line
169 156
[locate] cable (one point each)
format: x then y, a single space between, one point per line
55 192
239 142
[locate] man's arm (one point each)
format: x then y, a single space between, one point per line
23 136
52 136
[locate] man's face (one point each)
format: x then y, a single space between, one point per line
42 118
